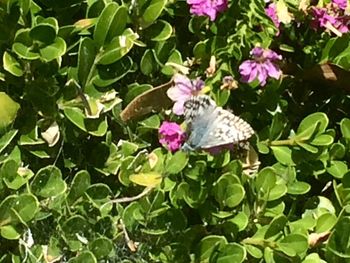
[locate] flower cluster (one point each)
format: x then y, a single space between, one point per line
263 65
208 8
182 90
171 135
332 17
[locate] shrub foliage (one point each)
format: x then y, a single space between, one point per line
83 177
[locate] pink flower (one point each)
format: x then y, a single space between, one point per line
262 66
208 8
332 17
342 4
182 90
271 12
171 135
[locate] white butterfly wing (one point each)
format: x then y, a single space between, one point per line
210 126
226 128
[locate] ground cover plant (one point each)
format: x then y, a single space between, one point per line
107 153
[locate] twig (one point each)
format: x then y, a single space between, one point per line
131 244
132 198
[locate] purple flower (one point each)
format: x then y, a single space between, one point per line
182 90
271 12
171 135
342 4
208 8
331 17
262 66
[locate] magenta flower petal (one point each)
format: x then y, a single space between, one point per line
182 90
342 4
208 8
262 66
171 135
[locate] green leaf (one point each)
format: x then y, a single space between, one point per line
119 21
265 180
283 154
48 182
293 244
104 23
152 11
276 226
96 127
8 110
148 64
80 183
337 169
12 65
101 247
118 48
232 252
322 140
11 177
177 163
337 151
44 33
10 232
53 51
84 257
241 220
235 194
75 229
26 206
86 58
208 245
298 188
161 30
6 139
339 240
319 120
325 222
345 128
24 52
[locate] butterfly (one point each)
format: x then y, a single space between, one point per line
210 126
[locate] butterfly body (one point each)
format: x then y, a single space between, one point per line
210 126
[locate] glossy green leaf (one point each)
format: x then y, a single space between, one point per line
24 52
235 194
298 188
104 23
54 50
84 257
345 128
161 30
337 169
101 247
319 120
80 183
293 244
232 252
8 110
339 240
283 154
208 245
325 222
12 65
148 63
6 139
86 58
44 33
322 140
48 182
151 11
177 163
